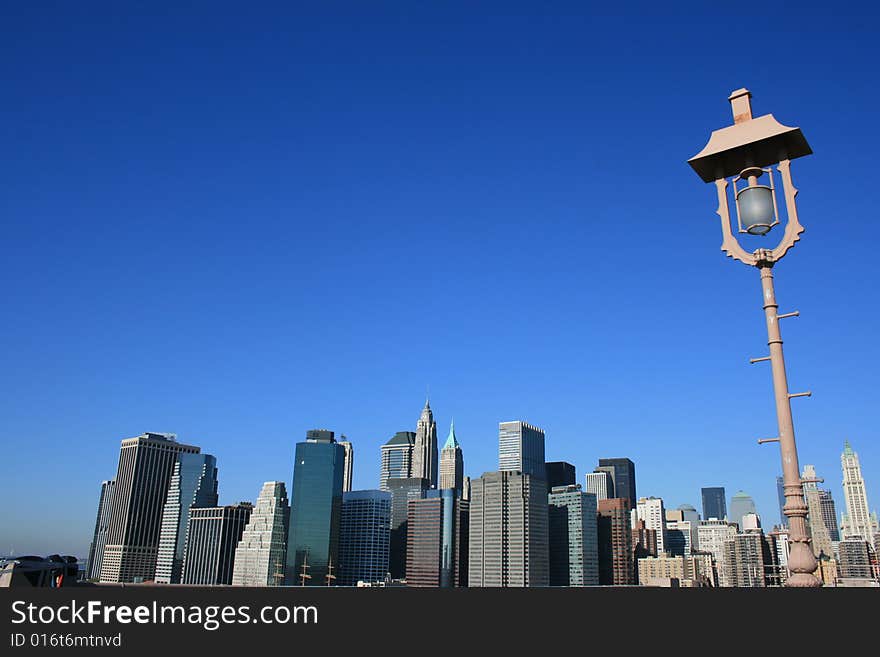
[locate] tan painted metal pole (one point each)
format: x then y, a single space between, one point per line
801 561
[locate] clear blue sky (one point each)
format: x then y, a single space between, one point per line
238 223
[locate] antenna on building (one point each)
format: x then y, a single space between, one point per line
304 575
330 576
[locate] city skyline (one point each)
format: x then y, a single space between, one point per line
302 221
768 519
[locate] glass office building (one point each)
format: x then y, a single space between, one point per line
315 509
364 537
521 449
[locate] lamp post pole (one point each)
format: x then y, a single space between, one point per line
801 562
742 150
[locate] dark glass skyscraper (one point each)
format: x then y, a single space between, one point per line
402 491
623 477
829 515
559 473
315 509
363 536
714 503
437 540
397 456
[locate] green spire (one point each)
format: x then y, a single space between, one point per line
847 449
451 440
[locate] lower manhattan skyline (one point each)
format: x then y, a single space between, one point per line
309 230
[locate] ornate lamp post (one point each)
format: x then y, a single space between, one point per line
739 156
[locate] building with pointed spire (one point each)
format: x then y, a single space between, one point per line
424 459
857 521
452 464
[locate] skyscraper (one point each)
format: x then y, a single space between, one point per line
99 539
623 477
573 537
437 540
193 484
261 552
402 491
560 473
397 456
741 504
829 514
508 531
821 538
452 463
315 509
651 510
857 521
364 537
424 460
212 534
616 565
348 468
521 449
714 503
780 496
146 463
600 485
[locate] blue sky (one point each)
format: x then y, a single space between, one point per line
238 224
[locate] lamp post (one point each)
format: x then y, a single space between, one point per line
741 155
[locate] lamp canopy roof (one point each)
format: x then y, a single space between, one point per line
749 142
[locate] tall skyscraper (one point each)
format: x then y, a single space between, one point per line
560 473
193 484
397 456
600 485
829 514
714 503
102 522
651 510
402 491
146 463
821 538
521 449
452 463
424 460
364 537
212 535
437 540
573 537
508 531
780 496
857 521
623 477
261 552
616 565
315 509
741 504
348 468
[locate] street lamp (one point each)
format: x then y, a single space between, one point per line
742 155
